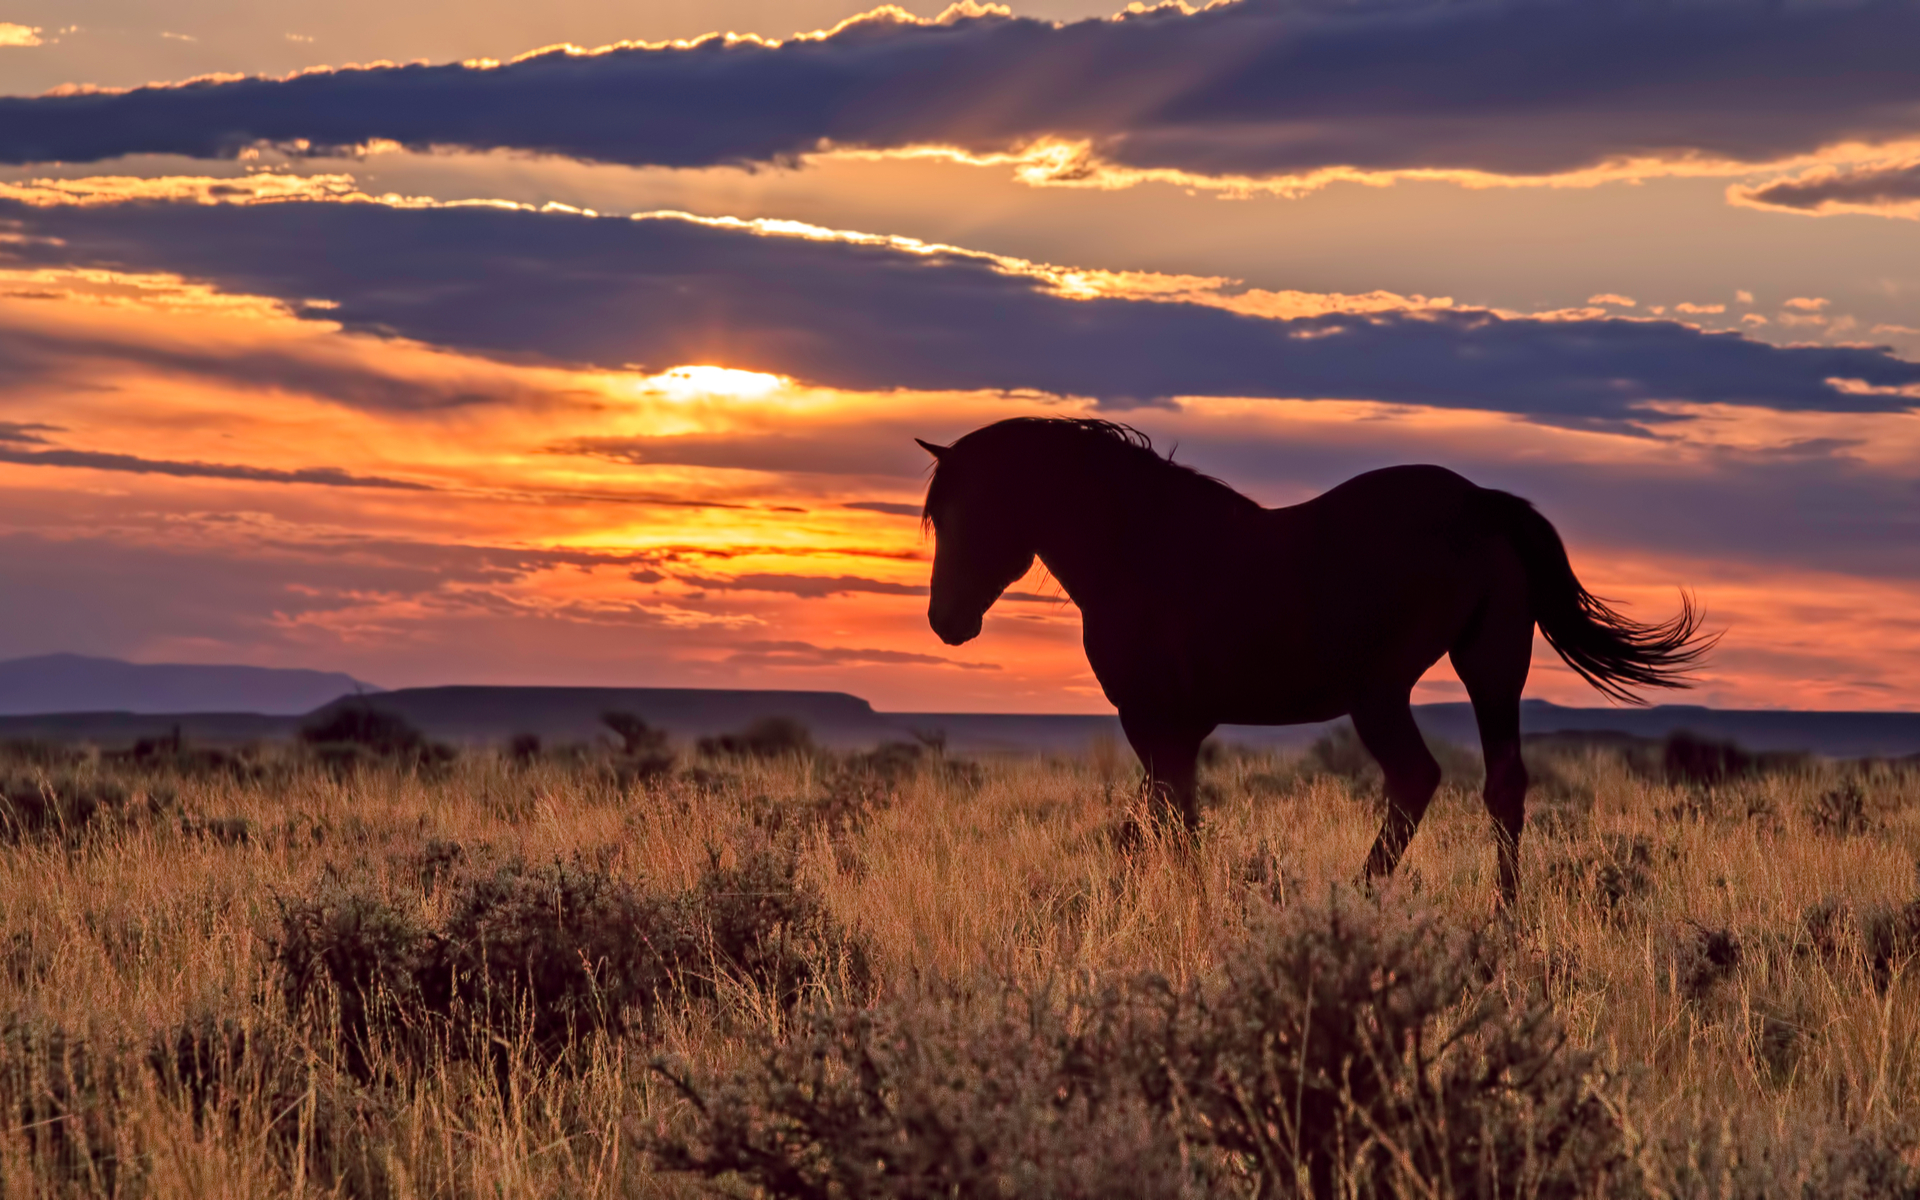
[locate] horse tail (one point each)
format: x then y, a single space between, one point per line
1609 650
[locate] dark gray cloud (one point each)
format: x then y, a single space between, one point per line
96 460
1854 188
806 654
1262 87
660 292
820 587
326 601
810 587
38 356
26 433
887 507
868 448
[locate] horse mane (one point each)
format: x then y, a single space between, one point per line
1124 448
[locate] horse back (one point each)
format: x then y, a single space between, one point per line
1363 587
1272 616
1399 492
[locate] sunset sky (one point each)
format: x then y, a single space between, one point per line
585 342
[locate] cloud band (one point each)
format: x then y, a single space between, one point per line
852 314
1255 90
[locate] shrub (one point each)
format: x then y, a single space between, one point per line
543 957
435 863
938 1094
763 925
769 737
636 736
1349 1048
1688 758
1338 752
222 831
892 763
41 752
68 805
630 772
1346 1050
846 803
644 752
1713 1155
63 1097
1610 875
524 748
367 957
171 754
548 955
1554 791
1775 1037
1878 937
1703 959
229 1075
353 735
1842 810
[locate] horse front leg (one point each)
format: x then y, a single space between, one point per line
1169 751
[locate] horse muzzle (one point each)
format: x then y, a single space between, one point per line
954 628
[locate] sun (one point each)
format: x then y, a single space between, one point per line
701 382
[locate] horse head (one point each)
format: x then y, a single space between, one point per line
980 545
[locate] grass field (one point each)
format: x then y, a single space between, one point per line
905 975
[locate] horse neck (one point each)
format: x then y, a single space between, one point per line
1091 536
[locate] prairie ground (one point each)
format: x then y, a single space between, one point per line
904 974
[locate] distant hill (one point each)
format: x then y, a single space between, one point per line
73 683
1835 734
476 715
491 714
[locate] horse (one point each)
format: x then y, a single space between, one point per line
1200 607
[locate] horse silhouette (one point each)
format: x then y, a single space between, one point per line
1200 607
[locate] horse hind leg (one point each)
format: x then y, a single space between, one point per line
1387 731
1492 662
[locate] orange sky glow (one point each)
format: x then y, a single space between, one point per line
203 461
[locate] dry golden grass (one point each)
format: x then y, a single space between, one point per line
118 939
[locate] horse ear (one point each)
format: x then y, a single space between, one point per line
932 449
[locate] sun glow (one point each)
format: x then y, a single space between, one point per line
702 382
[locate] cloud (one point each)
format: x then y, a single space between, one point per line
809 587
806 654
93 460
49 356
1255 90
887 507
1876 189
19 35
438 613
871 448
818 587
872 314
26 433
